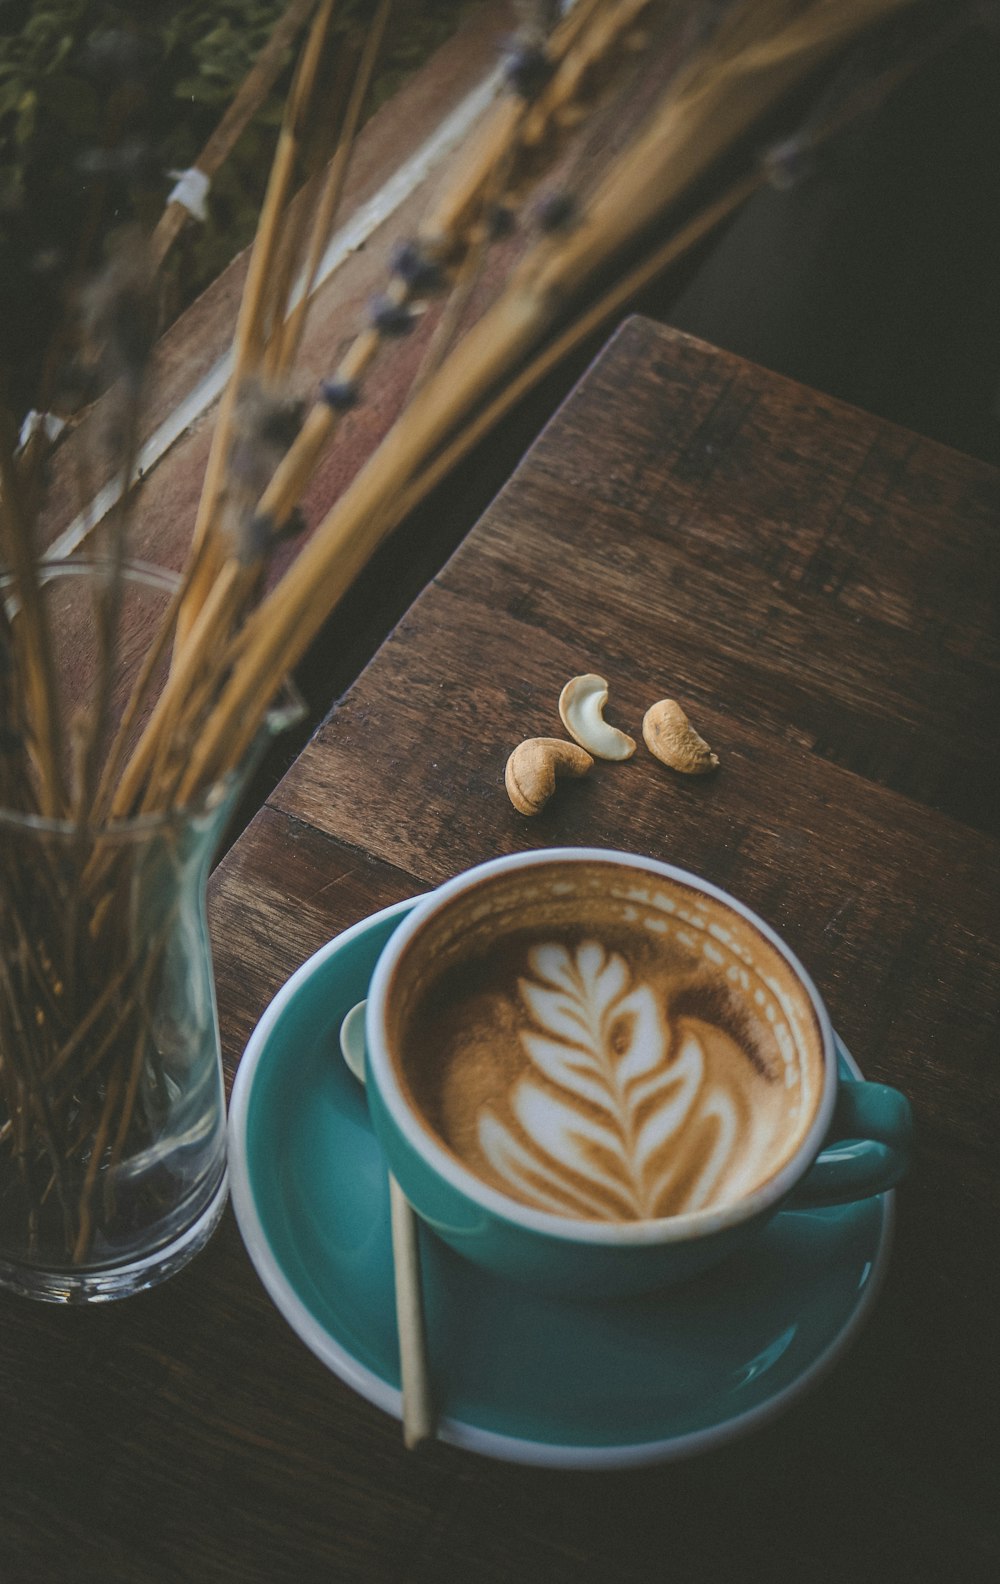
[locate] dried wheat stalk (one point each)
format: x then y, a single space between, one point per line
253 91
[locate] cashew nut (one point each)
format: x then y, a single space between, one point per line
530 775
581 710
669 735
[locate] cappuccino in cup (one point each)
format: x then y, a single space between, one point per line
596 1073
599 1044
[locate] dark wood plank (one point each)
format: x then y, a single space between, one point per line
259 940
765 548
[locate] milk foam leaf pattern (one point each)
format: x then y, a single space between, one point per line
684 1078
547 1187
720 1109
586 1005
593 1131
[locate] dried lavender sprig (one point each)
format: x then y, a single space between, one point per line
415 266
340 394
556 211
527 68
391 318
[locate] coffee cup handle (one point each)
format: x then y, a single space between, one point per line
866 1150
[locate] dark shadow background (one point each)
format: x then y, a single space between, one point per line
878 279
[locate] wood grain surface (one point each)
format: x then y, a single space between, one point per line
818 589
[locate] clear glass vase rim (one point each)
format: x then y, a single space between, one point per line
140 571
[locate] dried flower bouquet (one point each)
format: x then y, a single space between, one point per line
117 769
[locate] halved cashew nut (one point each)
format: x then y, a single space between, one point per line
530 775
581 710
669 735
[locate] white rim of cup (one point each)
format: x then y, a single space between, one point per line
668 1229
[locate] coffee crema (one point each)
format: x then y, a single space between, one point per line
603 1044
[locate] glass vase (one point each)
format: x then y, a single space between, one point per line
112 1103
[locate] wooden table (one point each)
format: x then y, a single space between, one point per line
817 588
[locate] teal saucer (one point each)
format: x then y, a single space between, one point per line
517 1375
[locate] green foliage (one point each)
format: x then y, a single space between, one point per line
63 101
36 43
221 43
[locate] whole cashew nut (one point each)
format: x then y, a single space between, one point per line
531 771
581 710
670 737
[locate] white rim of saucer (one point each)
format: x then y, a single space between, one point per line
679 1228
455 1432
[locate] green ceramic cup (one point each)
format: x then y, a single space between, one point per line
645 1013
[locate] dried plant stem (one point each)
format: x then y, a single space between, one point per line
585 39
450 222
296 468
151 661
560 347
466 278
127 1111
108 607
32 644
565 102
288 337
280 629
708 109
176 713
100 1139
30 1100
188 661
482 184
459 222
252 92
76 1030
250 330
95 1011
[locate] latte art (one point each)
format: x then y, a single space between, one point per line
645 1068
622 1120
